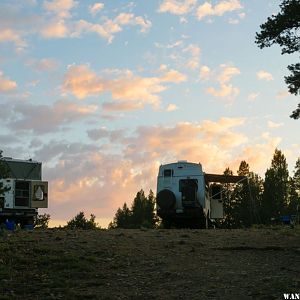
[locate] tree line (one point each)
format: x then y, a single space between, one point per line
262 201
257 201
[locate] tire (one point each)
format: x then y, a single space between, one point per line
166 199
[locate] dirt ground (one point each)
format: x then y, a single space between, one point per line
150 264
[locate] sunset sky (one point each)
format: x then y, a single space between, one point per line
104 92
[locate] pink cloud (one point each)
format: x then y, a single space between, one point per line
264 75
55 29
60 7
6 85
177 7
128 90
109 27
222 7
95 8
226 89
13 36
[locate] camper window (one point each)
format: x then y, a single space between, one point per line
168 173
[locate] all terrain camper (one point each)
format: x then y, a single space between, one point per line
24 191
186 196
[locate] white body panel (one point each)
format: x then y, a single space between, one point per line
182 170
33 202
169 178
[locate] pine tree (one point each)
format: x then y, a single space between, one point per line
138 209
242 203
228 204
247 196
283 29
122 218
276 185
81 222
294 197
140 215
150 218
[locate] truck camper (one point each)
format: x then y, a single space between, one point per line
24 191
186 196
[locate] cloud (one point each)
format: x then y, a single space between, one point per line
227 72
194 51
122 106
253 96
258 155
82 82
264 75
95 8
173 76
205 73
274 125
169 46
130 91
172 107
207 9
6 85
56 29
47 118
44 64
113 135
177 7
107 29
61 8
282 94
13 36
226 89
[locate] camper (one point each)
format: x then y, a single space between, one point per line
24 193
186 196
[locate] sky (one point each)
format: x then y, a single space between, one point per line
102 93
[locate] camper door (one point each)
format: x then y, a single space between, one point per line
216 203
39 194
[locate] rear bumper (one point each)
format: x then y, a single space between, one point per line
18 213
187 213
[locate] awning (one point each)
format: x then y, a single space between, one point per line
224 178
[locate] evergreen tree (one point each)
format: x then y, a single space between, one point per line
150 218
138 209
247 197
228 204
294 197
283 29
140 215
122 218
242 201
276 185
81 222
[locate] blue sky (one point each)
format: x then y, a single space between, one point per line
104 92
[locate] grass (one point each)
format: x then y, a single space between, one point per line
135 264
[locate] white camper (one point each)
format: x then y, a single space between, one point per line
186 196
25 191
